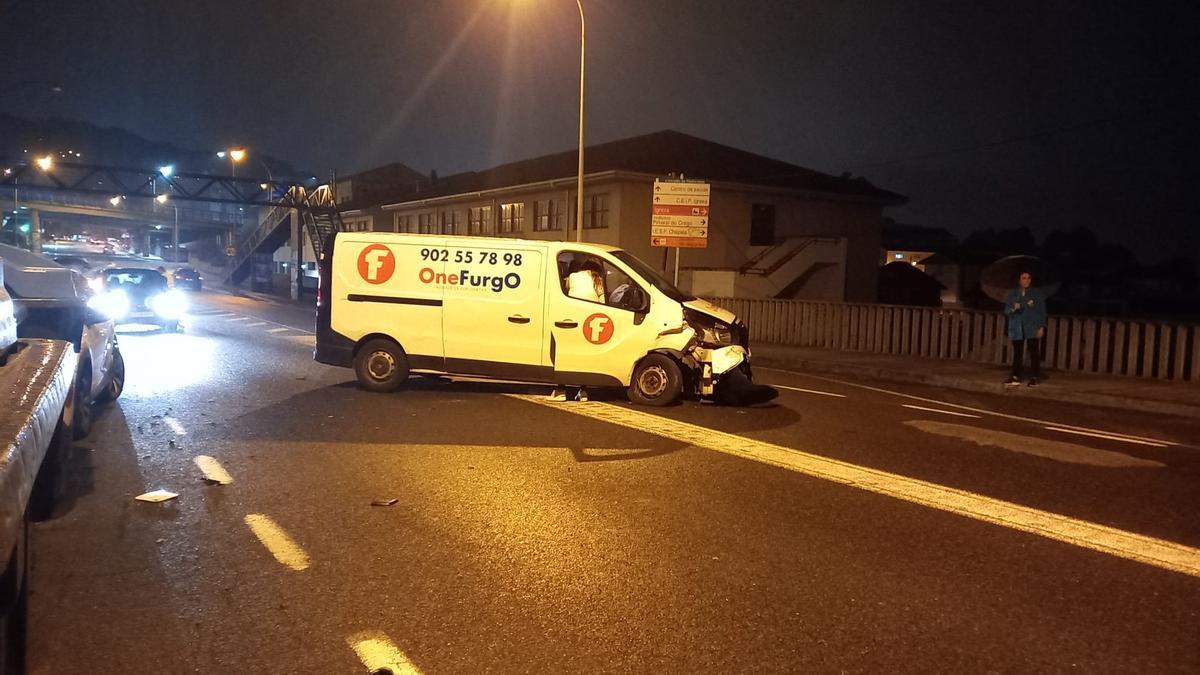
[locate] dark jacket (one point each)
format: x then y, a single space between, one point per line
1023 323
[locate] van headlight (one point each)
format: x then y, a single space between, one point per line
113 304
170 305
709 331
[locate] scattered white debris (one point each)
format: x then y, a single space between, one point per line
156 496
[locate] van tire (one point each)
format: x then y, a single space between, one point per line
657 381
381 365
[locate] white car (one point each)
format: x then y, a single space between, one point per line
52 301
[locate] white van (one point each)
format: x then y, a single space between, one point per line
537 311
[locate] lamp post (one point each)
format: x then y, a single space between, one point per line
579 177
163 199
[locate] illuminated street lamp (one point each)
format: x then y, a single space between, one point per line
45 163
167 170
163 199
115 200
235 155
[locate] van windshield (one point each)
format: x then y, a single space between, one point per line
652 276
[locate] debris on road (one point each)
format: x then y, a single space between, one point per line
385 502
156 496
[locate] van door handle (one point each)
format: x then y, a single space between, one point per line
568 323
517 318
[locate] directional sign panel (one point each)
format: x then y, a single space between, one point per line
679 214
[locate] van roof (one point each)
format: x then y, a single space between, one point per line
459 240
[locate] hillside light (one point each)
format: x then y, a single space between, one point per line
115 200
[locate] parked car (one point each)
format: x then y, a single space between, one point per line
186 277
75 262
52 301
140 295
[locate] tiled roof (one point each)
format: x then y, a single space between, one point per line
659 153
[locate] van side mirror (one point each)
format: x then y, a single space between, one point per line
637 301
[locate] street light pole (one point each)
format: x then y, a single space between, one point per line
579 178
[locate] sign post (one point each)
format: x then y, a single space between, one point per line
679 216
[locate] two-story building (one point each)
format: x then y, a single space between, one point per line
775 229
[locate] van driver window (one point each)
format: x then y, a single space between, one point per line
587 277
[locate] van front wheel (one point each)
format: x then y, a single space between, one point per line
657 381
381 366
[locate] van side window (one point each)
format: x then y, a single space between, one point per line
587 277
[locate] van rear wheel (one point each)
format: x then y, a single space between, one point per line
657 381
381 366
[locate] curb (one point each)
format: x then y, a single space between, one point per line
1044 392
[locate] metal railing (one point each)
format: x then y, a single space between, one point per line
1147 349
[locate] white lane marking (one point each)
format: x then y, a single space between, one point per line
379 654
216 314
239 318
1149 550
175 425
944 412
212 470
808 391
1111 437
276 330
285 550
259 323
1058 451
983 411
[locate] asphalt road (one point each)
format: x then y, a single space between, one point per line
954 532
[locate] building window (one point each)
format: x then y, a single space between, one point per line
479 220
547 215
762 225
512 217
404 224
449 220
425 224
360 225
595 212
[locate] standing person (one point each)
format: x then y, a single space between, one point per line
1026 310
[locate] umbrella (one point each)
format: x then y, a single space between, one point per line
1002 276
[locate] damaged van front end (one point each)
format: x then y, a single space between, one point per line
713 345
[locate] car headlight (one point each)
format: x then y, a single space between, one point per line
170 305
114 304
97 284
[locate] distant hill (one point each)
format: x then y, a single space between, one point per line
114 146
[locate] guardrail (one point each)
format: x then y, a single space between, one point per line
1147 349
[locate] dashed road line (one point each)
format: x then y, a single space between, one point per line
212 470
239 318
982 411
808 391
1111 437
277 330
380 655
259 323
1149 550
272 536
944 412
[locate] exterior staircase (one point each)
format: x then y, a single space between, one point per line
318 215
781 270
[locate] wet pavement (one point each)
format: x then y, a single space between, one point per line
950 532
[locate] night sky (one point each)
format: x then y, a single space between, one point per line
992 114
